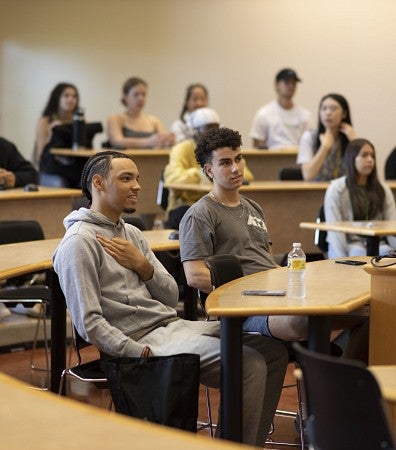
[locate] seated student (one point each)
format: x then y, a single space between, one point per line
122 300
321 152
56 170
133 128
196 97
224 221
358 195
15 170
183 167
280 123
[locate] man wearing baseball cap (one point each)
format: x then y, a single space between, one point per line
183 167
280 123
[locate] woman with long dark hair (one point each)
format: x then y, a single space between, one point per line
321 152
358 196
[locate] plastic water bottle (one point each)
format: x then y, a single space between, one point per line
79 135
296 267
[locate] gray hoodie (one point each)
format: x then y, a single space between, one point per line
110 306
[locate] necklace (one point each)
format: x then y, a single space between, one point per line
230 210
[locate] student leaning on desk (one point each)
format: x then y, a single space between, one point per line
133 128
358 196
121 299
15 170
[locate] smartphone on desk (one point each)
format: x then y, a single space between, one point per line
261 292
351 262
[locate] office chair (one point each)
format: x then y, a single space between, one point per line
290 173
89 372
23 290
321 235
345 407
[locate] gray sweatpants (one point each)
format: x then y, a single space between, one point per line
264 366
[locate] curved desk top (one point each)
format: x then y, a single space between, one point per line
86 153
43 192
330 289
26 257
275 185
364 227
386 377
42 420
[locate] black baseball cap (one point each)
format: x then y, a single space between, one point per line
286 75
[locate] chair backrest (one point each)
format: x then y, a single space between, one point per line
344 403
162 194
223 268
12 231
321 235
290 173
135 221
390 166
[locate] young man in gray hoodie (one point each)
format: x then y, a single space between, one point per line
122 299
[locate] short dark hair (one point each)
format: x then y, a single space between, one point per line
97 164
214 139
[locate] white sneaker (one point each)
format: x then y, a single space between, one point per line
4 311
34 311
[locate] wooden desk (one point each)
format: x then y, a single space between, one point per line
42 420
373 230
382 348
265 164
331 289
150 162
26 257
386 378
49 206
286 204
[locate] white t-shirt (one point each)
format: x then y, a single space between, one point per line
280 127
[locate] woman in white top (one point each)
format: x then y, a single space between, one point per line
321 152
358 196
196 97
133 128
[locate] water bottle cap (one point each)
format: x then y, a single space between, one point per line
296 244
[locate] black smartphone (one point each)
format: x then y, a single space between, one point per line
351 262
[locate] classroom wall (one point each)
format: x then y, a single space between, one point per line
233 46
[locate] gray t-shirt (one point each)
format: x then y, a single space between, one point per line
210 228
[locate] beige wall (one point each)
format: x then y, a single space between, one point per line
233 46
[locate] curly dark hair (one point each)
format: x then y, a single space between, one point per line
97 164
214 139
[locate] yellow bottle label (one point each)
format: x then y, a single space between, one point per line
296 264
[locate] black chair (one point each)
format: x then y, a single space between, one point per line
345 407
290 173
390 166
23 290
162 193
86 372
321 235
